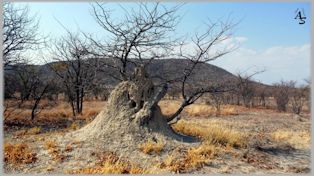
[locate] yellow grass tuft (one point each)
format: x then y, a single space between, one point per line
198 156
151 147
111 164
193 158
74 126
34 130
50 144
213 134
174 164
53 150
297 139
18 154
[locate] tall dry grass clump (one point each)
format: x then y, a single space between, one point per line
111 164
193 158
297 139
18 154
213 134
150 147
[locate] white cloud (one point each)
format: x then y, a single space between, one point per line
280 62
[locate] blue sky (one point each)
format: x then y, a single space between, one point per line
265 29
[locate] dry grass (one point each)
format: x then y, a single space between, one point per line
297 139
193 158
50 144
68 148
151 147
34 130
54 151
213 134
18 154
31 131
111 164
198 156
169 107
74 126
118 167
51 113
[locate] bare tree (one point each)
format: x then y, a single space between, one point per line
262 92
308 92
203 43
281 94
217 100
246 87
142 34
75 67
40 89
298 98
20 33
32 85
145 35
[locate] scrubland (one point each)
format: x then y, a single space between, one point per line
239 140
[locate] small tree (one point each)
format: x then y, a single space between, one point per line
281 94
262 92
217 99
298 98
246 87
75 68
32 84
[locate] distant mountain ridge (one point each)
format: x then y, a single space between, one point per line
166 68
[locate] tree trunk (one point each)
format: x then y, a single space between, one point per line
77 97
81 101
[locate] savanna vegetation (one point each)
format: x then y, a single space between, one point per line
106 106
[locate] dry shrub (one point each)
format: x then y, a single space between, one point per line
18 154
111 164
297 139
151 147
214 134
